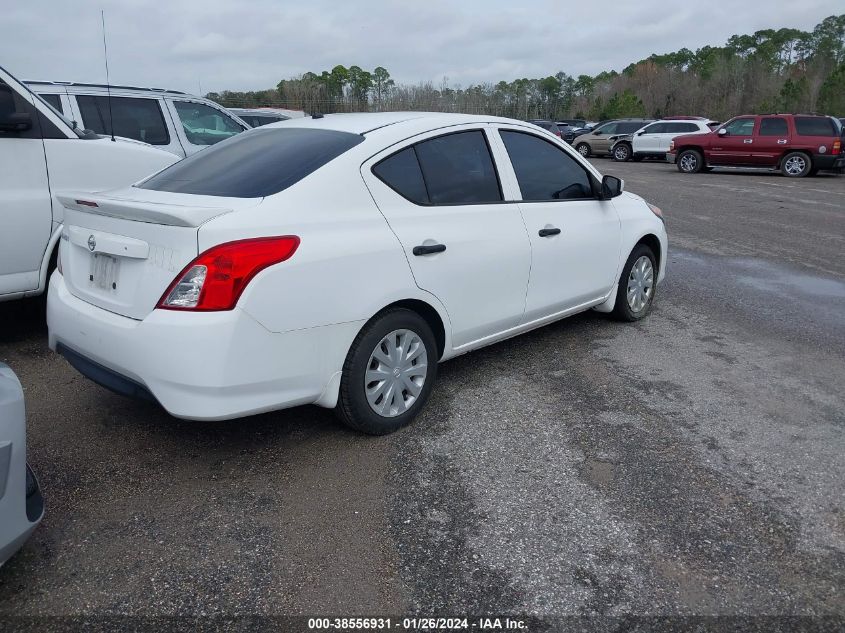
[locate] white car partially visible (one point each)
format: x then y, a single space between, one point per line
336 260
21 502
41 152
653 140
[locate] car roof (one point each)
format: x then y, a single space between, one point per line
365 122
68 84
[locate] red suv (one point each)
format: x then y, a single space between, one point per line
798 145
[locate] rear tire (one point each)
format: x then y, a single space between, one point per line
397 353
584 149
637 285
690 161
622 152
796 165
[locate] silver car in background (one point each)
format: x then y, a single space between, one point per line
21 503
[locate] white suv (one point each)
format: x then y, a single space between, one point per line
652 141
179 123
40 153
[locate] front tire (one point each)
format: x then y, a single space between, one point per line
690 161
622 152
637 285
584 149
796 165
389 373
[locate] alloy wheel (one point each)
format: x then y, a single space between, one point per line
396 373
688 162
795 165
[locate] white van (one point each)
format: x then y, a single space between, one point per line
170 120
41 153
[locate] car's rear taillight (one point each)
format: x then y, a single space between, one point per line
837 146
217 277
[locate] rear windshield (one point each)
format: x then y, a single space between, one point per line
814 126
254 164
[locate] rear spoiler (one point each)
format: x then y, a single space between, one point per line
140 210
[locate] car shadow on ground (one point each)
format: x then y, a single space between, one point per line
23 319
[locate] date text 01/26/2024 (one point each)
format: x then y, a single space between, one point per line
417 624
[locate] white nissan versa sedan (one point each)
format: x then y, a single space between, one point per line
336 260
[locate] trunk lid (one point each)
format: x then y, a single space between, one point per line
121 250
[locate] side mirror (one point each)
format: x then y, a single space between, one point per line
722 131
640 133
611 186
597 132
16 122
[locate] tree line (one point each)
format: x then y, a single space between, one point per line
784 70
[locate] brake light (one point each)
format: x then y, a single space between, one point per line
837 146
216 279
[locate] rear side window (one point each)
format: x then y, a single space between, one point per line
254 164
136 118
458 169
401 172
773 126
53 100
629 127
543 170
814 126
205 125
681 128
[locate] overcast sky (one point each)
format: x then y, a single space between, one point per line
219 44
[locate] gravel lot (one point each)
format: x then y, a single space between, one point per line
687 465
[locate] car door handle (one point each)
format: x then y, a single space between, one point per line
748 140
782 141
548 232
429 249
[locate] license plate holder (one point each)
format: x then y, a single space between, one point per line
104 271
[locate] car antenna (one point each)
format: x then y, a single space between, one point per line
108 83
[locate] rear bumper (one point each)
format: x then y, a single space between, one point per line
200 366
829 163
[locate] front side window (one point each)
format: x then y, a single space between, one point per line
135 118
205 125
256 120
545 171
255 164
17 110
655 128
814 126
740 127
773 126
608 128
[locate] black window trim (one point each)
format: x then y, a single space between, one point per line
413 145
595 186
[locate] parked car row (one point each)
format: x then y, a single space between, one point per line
794 144
797 145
